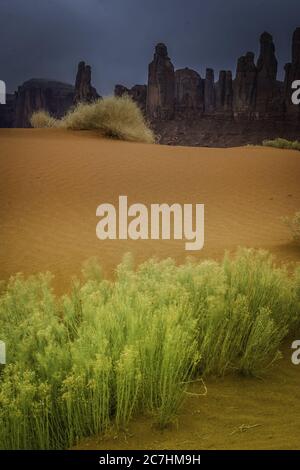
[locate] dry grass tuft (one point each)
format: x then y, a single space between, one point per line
42 119
114 117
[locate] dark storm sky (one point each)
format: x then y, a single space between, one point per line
46 38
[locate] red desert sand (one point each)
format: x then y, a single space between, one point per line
51 183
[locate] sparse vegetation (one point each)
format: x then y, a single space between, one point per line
282 144
112 349
114 117
42 119
293 224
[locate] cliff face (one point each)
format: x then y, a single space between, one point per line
161 85
189 93
7 112
138 93
245 85
185 109
224 93
267 93
254 93
209 92
84 91
182 107
54 97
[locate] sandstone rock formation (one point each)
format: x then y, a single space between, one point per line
209 92
182 107
292 72
138 93
224 92
54 97
7 111
232 111
121 90
245 85
255 92
161 85
267 91
189 93
84 91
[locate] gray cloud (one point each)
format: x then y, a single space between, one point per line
116 37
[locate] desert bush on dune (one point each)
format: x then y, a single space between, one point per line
112 349
42 119
282 144
114 117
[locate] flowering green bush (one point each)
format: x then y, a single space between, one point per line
111 349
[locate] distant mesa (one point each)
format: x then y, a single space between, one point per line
181 102
53 96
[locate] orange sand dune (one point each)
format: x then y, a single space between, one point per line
51 184
53 180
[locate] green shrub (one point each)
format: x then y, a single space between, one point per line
282 144
114 117
109 350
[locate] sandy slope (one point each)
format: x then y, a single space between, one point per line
50 185
236 413
52 181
